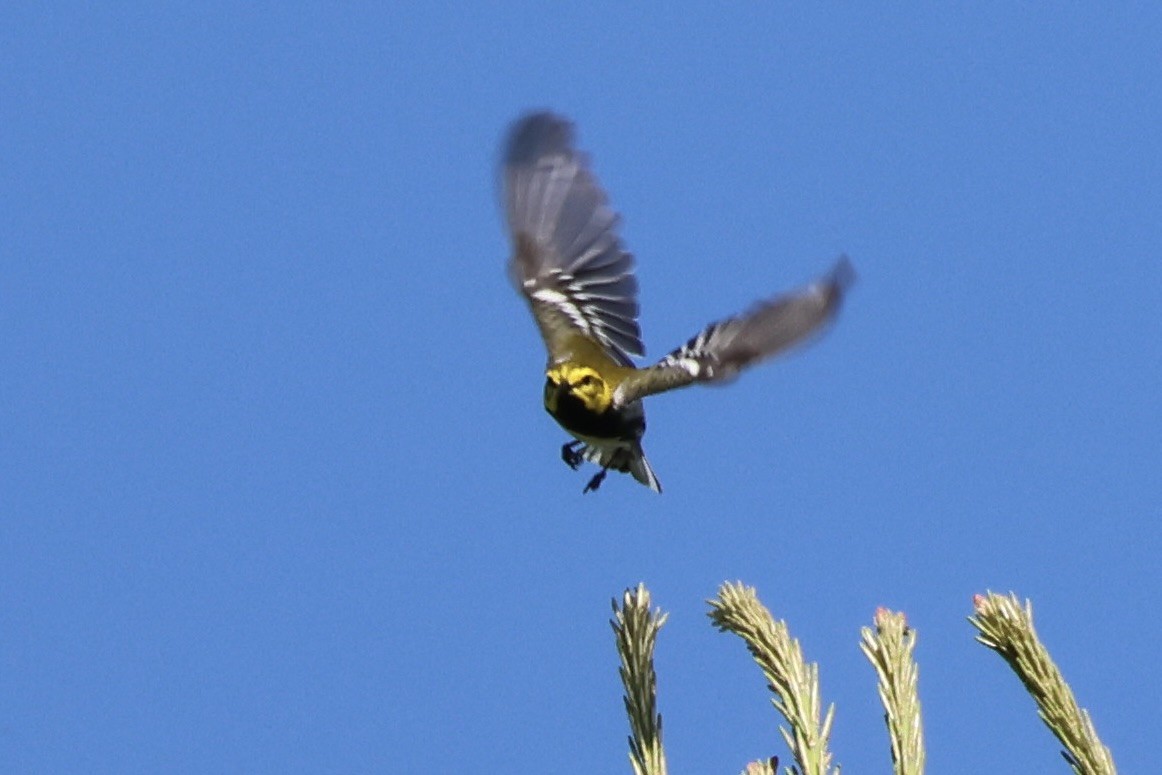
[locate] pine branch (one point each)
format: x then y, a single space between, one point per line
1007 628
889 648
765 767
636 630
794 682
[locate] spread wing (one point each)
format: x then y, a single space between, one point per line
725 348
567 260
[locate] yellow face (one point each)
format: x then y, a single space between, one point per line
582 382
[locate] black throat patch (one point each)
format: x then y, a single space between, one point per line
575 417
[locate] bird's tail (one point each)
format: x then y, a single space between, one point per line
640 468
625 458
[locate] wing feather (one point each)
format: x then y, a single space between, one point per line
723 349
568 260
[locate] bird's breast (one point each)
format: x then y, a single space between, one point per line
572 414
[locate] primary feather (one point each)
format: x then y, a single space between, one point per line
723 349
567 260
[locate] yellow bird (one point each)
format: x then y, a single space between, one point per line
569 264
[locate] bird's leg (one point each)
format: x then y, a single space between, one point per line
596 481
570 454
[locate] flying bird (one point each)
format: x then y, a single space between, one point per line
571 267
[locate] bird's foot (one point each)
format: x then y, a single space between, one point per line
596 481
571 456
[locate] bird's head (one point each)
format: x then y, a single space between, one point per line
582 382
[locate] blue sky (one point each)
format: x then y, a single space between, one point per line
276 490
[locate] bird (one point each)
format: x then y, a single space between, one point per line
569 263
